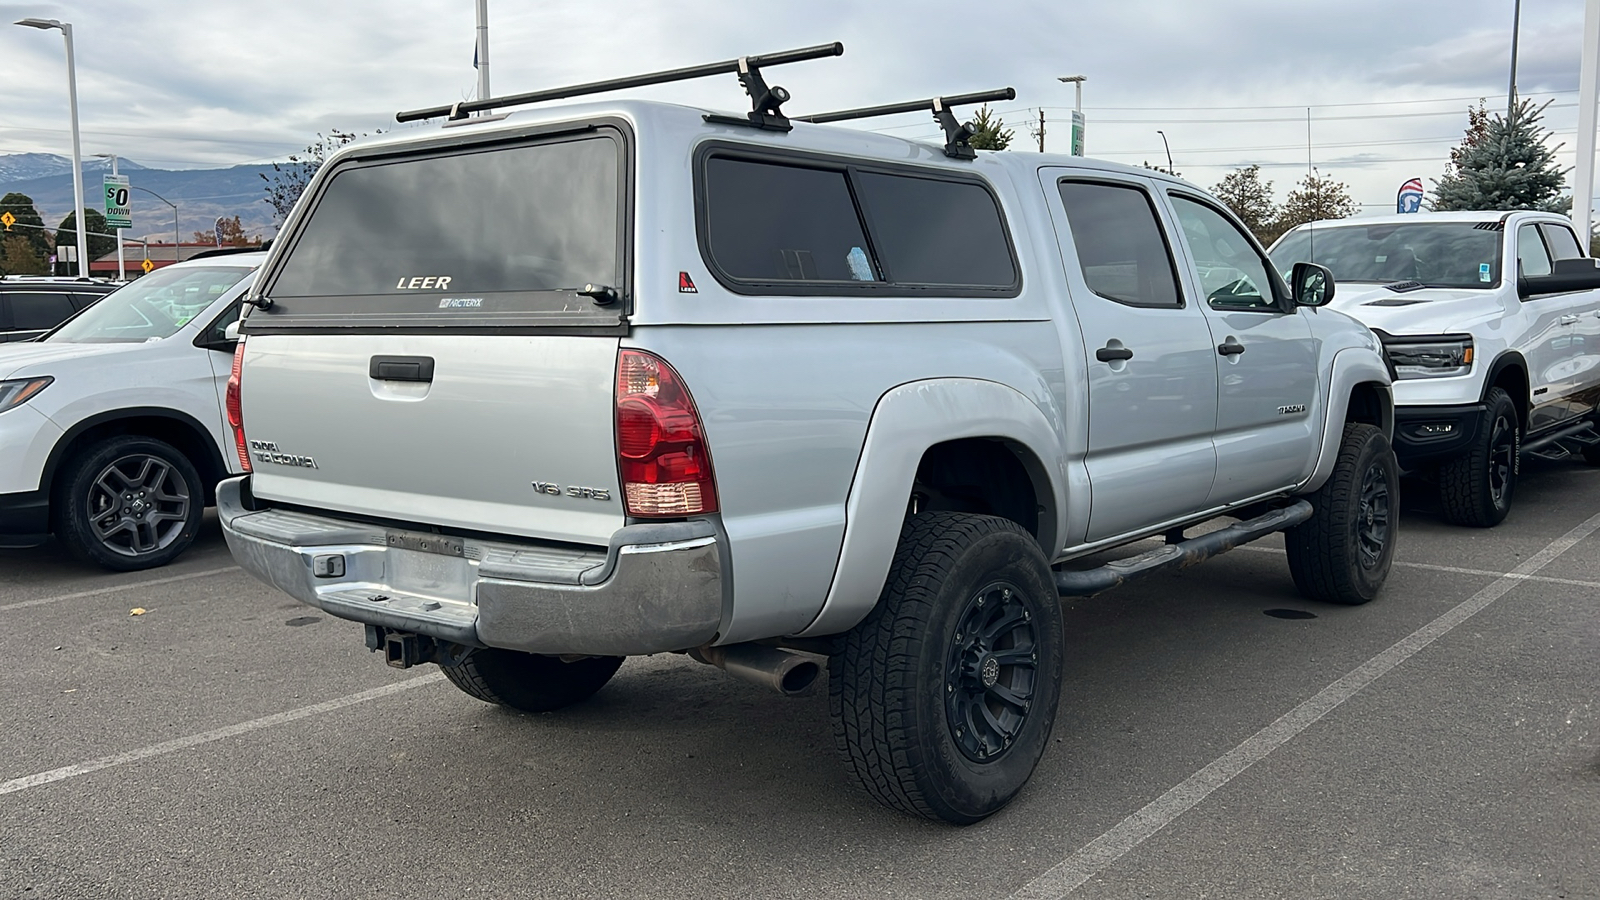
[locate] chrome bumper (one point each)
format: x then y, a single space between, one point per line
655 588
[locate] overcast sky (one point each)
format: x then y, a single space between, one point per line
186 84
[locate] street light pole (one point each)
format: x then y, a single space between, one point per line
77 158
175 256
1511 91
1169 151
122 269
483 49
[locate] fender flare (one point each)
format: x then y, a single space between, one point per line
1351 366
214 458
1510 359
906 421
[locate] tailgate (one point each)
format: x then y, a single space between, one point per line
512 434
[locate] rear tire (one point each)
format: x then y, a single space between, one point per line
530 682
944 696
129 503
1343 553
1475 488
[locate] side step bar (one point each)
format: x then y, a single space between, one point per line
1089 582
1549 446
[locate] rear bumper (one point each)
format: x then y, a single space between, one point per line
1425 433
24 519
655 588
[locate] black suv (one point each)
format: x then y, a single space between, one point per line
30 306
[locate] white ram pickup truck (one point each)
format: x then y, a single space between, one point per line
1492 320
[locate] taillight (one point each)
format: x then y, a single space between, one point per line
666 468
235 412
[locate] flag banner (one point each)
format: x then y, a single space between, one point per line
1409 199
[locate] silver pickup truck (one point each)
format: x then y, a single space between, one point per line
533 393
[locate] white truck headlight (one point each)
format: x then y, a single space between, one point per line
16 393
1429 357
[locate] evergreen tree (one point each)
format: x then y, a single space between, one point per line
1315 198
100 239
29 226
991 131
1508 164
1250 198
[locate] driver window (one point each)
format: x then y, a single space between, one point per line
1232 274
1531 256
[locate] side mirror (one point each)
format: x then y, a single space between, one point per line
1311 284
232 331
1566 276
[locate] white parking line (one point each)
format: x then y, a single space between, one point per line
1092 858
1458 570
40 601
206 737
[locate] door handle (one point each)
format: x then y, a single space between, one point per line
1569 320
401 368
1230 347
1109 353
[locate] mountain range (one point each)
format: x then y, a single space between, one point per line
201 195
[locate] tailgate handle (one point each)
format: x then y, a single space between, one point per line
401 368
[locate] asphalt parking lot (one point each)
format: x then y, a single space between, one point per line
1443 741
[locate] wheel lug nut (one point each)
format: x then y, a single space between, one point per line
949 689
1006 593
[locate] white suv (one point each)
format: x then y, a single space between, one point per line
1492 321
112 433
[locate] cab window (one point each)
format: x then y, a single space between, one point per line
1121 250
1232 274
1531 256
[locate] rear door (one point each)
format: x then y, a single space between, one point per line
1152 382
428 357
1547 341
1584 332
1265 357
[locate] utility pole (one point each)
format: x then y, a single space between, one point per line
483 49
1041 129
1511 91
1588 97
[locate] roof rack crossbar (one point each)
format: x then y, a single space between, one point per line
956 134
764 100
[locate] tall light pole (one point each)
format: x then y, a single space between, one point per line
482 55
1077 110
175 256
1169 151
77 159
122 269
1511 91
1588 97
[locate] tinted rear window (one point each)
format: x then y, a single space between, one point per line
784 223
1121 250
508 229
770 223
936 232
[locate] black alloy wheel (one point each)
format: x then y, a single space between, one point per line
1476 487
991 672
1372 525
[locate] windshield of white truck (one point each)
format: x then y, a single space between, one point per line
154 306
503 230
1437 254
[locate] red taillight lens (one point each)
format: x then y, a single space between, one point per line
235 412
666 468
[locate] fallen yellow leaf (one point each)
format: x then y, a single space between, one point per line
136 611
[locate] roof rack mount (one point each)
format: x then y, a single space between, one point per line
957 136
765 102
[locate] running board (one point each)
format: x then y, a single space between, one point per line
1548 446
1181 555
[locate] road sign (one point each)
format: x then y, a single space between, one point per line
7 219
119 208
147 265
1077 133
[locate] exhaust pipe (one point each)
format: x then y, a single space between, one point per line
786 672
